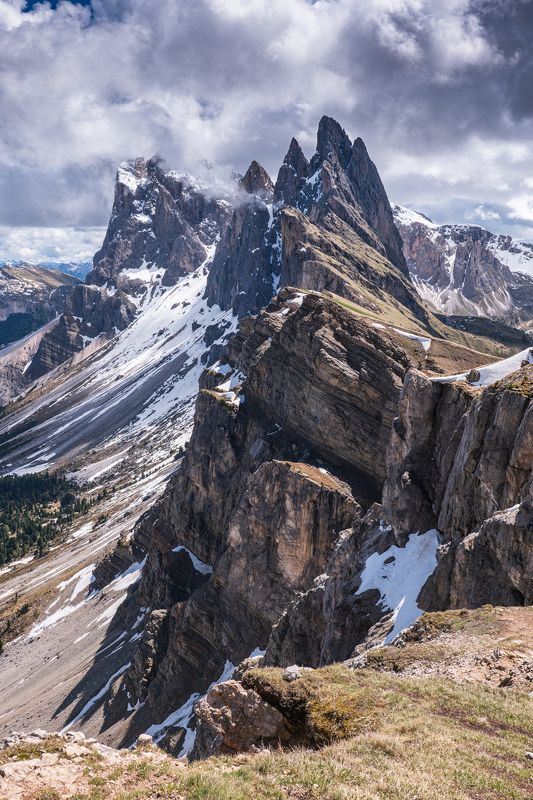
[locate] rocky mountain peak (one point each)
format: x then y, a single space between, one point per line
256 180
339 192
332 138
159 220
291 176
372 197
295 157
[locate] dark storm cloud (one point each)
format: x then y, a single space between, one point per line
439 90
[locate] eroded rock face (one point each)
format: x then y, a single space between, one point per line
327 623
56 346
460 460
89 312
457 454
251 512
232 719
159 218
280 536
100 311
495 564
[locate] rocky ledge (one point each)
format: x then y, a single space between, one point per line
63 765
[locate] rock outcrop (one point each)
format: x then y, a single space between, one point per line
458 454
232 719
58 344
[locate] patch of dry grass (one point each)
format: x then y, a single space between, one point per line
23 751
370 736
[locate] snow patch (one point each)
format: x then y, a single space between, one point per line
424 340
400 580
492 373
182 716
200 566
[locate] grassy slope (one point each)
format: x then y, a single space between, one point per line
339 250
40 277
386 738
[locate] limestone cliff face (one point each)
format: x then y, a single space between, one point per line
327 622
457 454
495 564
288 443
31 297
461 460
99 310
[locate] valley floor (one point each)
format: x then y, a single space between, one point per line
63 627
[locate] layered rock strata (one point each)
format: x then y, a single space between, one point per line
252 517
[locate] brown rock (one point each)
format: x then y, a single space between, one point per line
232 719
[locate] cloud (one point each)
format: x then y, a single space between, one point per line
484 214
521 207
438 89
49 244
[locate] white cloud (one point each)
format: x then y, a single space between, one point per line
485 214
424 82
49 244
521 207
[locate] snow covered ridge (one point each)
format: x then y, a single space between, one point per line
513 253
492 373
465 269
407 216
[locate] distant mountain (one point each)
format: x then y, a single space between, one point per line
467 270
30 295
78 269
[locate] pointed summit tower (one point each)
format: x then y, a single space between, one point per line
291 176
257 181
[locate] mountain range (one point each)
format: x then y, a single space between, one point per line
302 424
